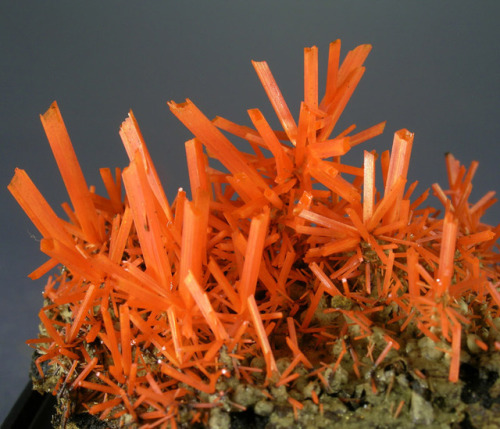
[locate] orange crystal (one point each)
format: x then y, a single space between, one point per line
172 290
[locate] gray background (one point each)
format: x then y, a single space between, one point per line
434 69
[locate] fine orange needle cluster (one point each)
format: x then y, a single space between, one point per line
283 253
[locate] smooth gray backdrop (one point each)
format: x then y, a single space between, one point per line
434 69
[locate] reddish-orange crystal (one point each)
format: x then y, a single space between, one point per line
157 302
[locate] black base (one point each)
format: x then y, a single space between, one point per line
31 411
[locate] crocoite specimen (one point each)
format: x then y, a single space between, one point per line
157 302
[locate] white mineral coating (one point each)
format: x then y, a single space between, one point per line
428 349
421 410
279 394
336 348
246 395
263 408
411 346
310 387
333 404
336 380
219 420
283 363
309 415
471 343
258 362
